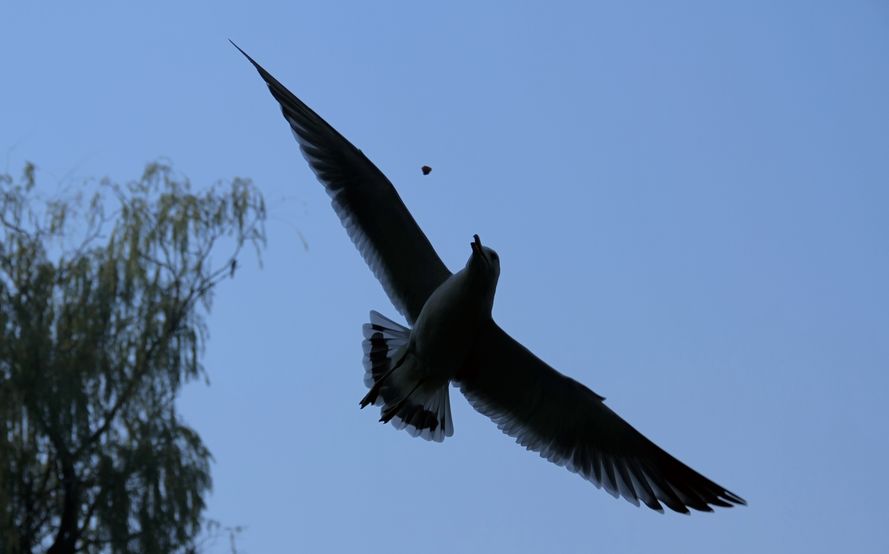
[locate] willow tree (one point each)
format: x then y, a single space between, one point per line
103 300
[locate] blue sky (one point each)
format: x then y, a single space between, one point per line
690 204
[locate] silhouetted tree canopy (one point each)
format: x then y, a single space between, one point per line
102 307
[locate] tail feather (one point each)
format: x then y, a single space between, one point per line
395 382
383 340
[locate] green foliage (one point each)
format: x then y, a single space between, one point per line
102 307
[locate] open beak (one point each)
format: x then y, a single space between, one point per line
476 244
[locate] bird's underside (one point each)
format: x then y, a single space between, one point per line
544 410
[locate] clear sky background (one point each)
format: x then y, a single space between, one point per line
690 201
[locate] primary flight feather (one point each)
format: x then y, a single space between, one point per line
453 339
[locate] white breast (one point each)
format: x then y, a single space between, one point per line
448 323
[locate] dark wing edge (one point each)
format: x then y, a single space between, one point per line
569 425
381 227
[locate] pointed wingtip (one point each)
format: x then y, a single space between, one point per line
246 55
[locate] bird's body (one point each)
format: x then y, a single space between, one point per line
412 379
454 339
452 316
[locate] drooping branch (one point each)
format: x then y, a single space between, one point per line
95 342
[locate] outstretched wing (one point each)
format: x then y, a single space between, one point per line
373 214
570 425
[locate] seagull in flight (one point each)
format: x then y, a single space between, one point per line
452 338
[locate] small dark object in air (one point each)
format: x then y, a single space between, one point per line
426 170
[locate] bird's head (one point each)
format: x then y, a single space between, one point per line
484 259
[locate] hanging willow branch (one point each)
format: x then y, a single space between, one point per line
102 320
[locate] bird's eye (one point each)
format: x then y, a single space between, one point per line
495 257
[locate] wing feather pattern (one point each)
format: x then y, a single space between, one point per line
570 425
376 219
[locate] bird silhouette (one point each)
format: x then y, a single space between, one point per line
452 338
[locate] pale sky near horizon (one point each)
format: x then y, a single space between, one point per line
689 200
